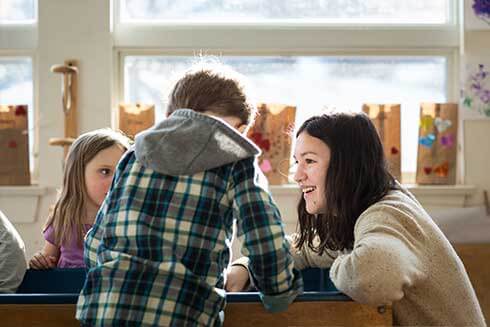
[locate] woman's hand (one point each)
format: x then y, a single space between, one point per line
41 261
237 279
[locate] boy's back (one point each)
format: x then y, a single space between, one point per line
158 249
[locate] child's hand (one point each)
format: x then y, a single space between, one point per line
236 279
41 261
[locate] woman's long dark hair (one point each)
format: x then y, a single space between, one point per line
357 177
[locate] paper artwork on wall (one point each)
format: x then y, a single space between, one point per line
14 145
134 118
477 14
272 133
476 89
438 130
386 119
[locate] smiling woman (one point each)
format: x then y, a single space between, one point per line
381 246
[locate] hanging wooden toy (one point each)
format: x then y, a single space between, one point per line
69 97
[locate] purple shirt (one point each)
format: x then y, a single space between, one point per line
71 254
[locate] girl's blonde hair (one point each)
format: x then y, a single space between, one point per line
69 209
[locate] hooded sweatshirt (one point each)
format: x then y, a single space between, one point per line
158 248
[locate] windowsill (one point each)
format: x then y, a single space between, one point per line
27 190
21 203
428 195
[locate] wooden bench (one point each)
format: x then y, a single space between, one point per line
33 306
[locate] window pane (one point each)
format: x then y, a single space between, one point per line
17 11
312 84
16 87
303 11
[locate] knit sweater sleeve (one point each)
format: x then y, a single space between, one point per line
387 257
305 257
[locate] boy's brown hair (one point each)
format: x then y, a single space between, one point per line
216 88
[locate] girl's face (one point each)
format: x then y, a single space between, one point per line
98 175
312 156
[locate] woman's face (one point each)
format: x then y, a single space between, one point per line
312 156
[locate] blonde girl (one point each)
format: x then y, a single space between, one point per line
89 168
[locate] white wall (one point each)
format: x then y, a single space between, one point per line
68 29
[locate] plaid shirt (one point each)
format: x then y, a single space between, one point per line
157 251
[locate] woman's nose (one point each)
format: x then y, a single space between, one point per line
299 175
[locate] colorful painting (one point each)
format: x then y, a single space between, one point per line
477 14
14 145
476 92
437 151
272 134
386 119
481 8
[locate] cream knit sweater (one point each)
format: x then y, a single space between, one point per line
401 258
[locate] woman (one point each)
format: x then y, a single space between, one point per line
380 244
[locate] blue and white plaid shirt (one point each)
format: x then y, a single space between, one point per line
158 249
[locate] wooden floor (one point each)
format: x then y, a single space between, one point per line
237 315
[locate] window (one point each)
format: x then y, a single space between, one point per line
312 54
312 84
18 11
16 87
299 11
18 19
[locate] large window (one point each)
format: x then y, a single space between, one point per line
312 84
311 54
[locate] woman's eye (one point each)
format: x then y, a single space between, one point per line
105 171
309 161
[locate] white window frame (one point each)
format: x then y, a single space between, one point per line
299 39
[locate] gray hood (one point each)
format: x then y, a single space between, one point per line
188 142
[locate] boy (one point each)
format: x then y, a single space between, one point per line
158 248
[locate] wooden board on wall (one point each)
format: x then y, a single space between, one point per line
272 134
386 118
14 146
134 118
437 147
313 314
